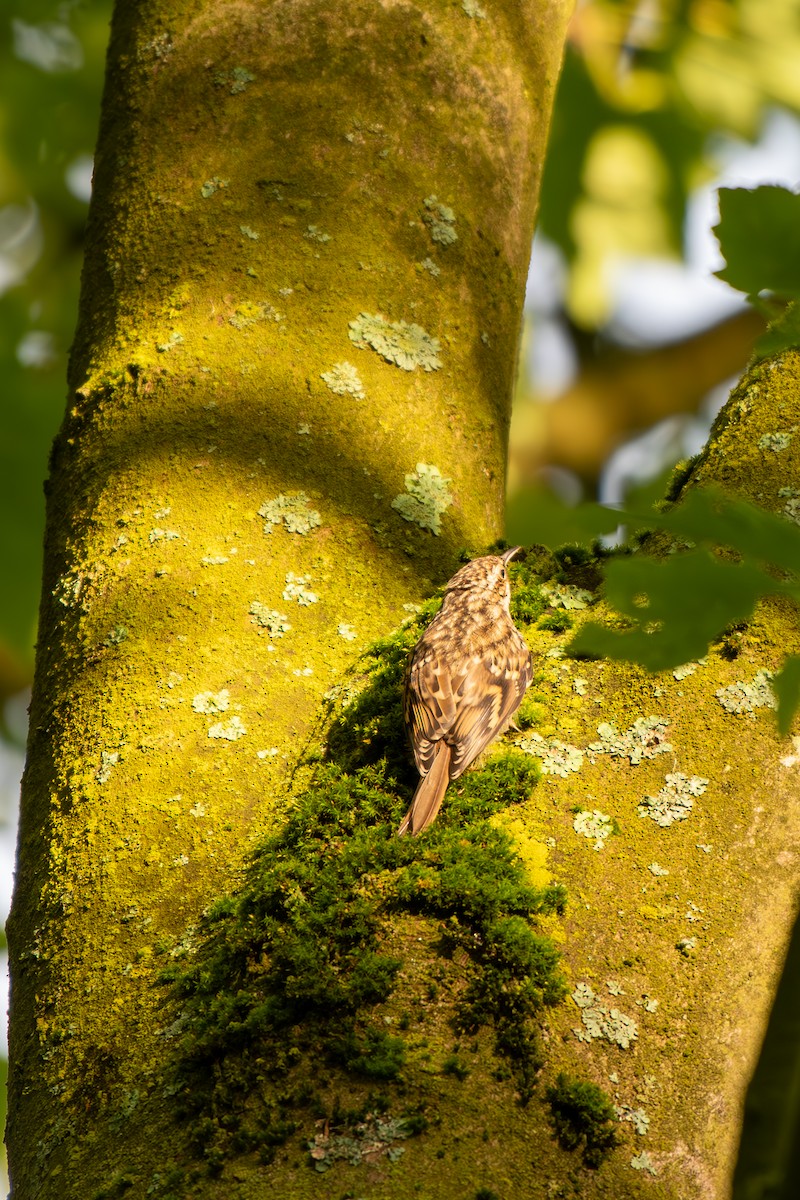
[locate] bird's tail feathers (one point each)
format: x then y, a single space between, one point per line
429 794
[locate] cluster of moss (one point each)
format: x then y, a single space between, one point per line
289 973
290 970
583 1117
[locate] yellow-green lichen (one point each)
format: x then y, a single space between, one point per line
211 702
275 623
741 697
440 220
426 497
291 511
230 730
408 346
344 380
295 970
594 825
295 589
675 800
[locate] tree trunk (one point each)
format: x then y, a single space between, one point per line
288 412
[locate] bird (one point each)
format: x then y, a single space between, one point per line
466 678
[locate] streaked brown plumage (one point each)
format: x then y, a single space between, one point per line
466 679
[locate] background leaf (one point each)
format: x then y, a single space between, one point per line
759 235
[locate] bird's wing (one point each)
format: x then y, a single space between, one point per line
489 695
430 705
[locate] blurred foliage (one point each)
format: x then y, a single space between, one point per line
646 85
51 65
759 235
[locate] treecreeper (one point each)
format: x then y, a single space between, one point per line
466 678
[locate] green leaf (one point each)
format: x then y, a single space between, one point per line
709 515
786 685
538 516
759 235
679 605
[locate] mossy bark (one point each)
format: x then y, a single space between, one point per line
261 180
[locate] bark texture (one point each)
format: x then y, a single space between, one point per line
302 296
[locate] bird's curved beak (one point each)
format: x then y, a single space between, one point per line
507 555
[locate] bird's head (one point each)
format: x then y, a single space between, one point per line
483 579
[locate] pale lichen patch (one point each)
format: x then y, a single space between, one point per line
175 339
635 1116
248 313
741 697
473 9
315 234
601 1022
296 589
213 185
347 632
291 511
344 380
212 702
163 535
776 442
791 508
117 636
230 730
408 346
557 758
687 669
430 266
593 825
365 1143
235 81
426 497
566 595
108 760
644 739
440 220
643 1162
675 800
275 623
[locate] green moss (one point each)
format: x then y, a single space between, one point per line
583 1116
289 976
290 970
531 712
679 478
557 622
